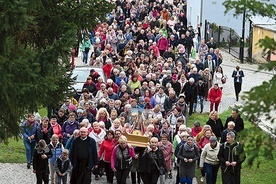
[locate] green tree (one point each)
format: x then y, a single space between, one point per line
260 100
252 7
35 41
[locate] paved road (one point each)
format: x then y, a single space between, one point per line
18 173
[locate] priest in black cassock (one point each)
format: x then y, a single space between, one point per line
84 157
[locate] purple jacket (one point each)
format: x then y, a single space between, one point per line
68 128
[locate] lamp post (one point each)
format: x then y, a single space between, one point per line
201 11
241 56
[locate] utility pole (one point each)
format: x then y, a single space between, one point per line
242 38
201 11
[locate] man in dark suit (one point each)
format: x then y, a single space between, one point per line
237 75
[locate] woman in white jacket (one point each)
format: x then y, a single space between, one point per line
209 159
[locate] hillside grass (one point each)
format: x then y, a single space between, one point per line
265 174
14 152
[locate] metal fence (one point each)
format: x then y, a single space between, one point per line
226 38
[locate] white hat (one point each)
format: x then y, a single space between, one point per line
103 100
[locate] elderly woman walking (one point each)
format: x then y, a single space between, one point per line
121 159
209 160
151 162
188 154
167 148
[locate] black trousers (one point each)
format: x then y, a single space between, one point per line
177 179
108 171
122 175
42 176
150 178
230 177
133 177
237 86
191 105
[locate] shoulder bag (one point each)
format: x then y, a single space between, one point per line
161 169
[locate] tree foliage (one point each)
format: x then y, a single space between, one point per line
251 7
260 100
35 41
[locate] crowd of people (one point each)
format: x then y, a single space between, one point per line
158 71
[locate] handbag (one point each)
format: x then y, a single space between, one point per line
223 80
86 49
219 60
99 169
161 169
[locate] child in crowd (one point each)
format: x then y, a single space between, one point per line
63 167
42 153
56 148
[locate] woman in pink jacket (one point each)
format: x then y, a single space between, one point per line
121 159
163 44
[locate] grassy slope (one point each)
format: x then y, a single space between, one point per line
15 153
265 174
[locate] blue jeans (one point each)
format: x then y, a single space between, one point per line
198 43
186 180
29 146
200 100
62 179
211 173
85 57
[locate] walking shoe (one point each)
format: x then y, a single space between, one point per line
202 179
96 177
28 166
170 176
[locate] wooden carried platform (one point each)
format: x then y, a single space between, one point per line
137 140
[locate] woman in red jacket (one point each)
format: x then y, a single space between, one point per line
105 153
214 97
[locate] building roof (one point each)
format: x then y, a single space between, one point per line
270 27
262 20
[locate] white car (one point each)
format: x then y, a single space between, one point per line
80 74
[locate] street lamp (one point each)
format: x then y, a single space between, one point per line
241 56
